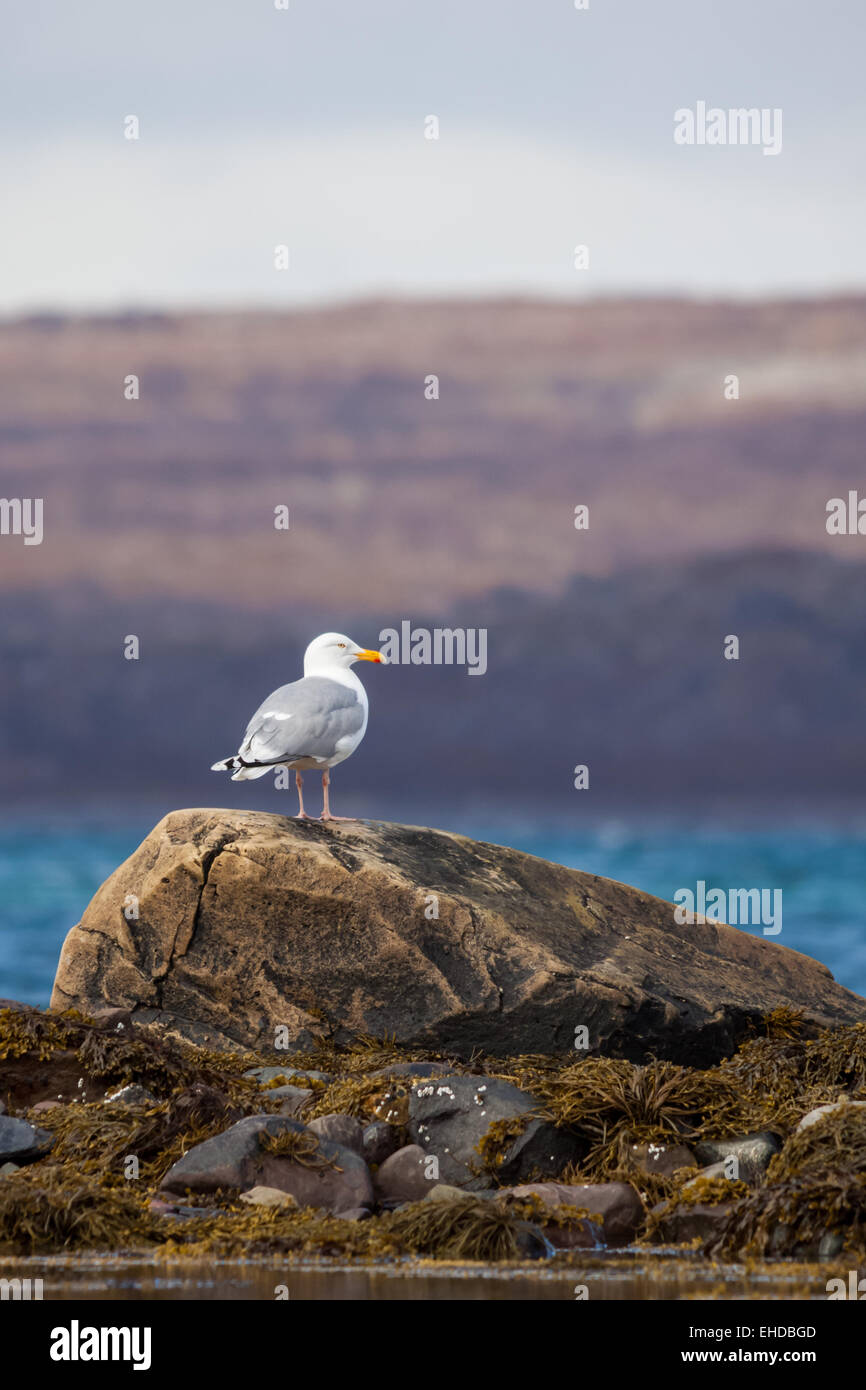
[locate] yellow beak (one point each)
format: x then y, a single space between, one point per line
369 656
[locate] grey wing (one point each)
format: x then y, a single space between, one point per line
306 719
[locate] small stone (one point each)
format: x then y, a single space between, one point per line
268 1197
22 1142
752 1152
714 1170
661 1159
444 1192
830 1245
131 1095
292 1098
42 1105
355 1214
821 1110
379 1141
7 1169
403 1176
340 1129
685 1224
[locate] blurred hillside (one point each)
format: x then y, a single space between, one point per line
618 405
605 646
624 673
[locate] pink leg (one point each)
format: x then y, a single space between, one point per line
299 783
326 810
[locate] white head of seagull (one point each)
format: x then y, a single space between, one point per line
311 724
332 650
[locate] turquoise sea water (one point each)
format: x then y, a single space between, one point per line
50 869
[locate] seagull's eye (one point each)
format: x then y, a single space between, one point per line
341 644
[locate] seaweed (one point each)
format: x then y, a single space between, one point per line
783 1023
463 1228
837 1058
300 1146
49 1210
365 1097
775 1081
652 1188
792 1217
496 1144
79 1194
362 1054
141 1053
604 1100
260 1230
833 1145
97 1138
686 1191
24 1031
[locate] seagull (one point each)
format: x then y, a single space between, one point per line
315 722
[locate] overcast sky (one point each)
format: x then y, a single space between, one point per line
305 127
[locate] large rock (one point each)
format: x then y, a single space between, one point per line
21 1142
449 1117
615 1205
229 924
336 1178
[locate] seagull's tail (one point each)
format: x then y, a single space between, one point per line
241 773
226 765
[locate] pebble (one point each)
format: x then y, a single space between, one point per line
821 1110
268 1197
